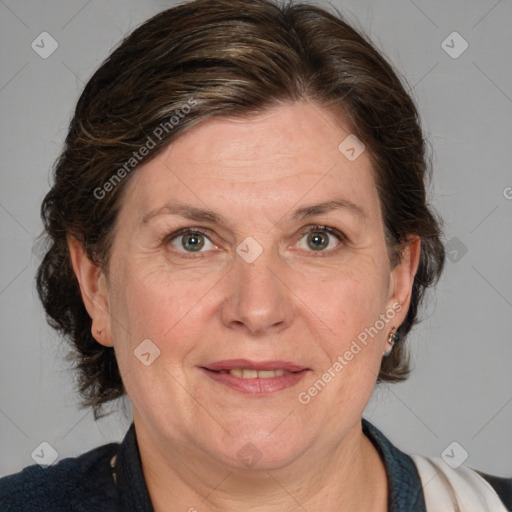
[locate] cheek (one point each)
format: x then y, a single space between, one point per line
352 300
151 305
149 299
351 349
161 304
352 344
154 316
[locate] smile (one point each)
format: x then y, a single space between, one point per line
246 373
256 378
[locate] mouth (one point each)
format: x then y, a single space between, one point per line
255 377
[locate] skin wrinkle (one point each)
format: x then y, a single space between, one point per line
286 305
323 61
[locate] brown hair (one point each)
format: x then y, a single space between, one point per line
209 58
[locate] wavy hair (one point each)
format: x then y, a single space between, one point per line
226 58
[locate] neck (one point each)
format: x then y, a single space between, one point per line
349 476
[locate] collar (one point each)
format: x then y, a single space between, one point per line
131 486
404 484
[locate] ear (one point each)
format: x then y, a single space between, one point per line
93 286
402 279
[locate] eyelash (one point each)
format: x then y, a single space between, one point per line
190 231
332 232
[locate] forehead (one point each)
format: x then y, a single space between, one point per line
285 156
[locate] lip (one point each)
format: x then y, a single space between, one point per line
293 375
233 364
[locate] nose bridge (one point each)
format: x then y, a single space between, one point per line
258 298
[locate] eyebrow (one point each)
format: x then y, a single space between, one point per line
203 214
327 206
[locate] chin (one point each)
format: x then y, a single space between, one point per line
267 445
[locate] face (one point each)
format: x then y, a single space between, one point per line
249 258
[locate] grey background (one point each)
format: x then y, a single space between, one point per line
461 387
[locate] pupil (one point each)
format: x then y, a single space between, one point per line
318 240
193 242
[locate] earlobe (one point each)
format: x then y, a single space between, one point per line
93 287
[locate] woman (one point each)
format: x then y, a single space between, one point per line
240 243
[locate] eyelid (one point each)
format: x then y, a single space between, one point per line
186 231
343 239
329 229
304 231
183 231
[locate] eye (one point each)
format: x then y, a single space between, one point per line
320 238
189 240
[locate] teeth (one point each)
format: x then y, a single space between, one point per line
255 374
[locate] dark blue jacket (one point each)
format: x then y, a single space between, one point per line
86 483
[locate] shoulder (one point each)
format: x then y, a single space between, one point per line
463 486
421 483
73 483
502 486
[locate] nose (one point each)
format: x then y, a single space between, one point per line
259 301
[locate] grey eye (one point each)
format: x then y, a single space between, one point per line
192 241
318 240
